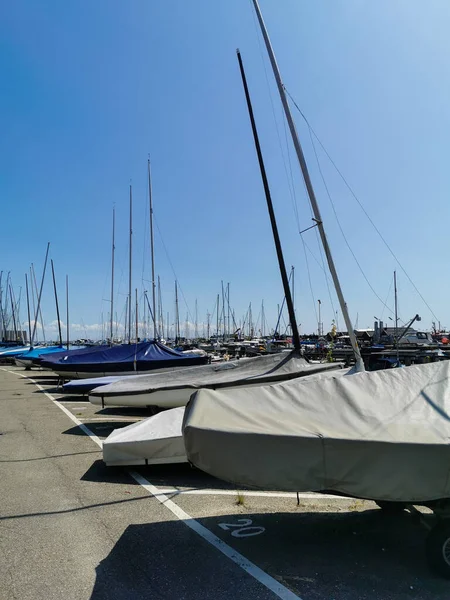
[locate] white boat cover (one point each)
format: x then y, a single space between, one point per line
382 435
156 440
259 370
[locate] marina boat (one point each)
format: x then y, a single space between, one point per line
121 360
159 439
9 354
379 435
27 358
169 390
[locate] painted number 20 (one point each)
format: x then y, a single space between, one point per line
242 528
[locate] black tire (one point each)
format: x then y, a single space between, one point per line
391 508
438 549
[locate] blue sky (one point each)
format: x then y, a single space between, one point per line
91 88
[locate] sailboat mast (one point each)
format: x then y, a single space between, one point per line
13 312
28 307
39 297
67 311
310 190
217 320
129 266
177 316
56 302
282 266
152 250
137 317
111 333
396 314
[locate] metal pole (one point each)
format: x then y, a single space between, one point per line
56 301
28 306
396 314
310 189
129 271
152 250
39 297
112 275
137 317
319 327
13 313
67 311
282 266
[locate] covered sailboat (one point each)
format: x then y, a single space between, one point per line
26 359
169 390
381 435
121 360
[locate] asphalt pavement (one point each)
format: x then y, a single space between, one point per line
72 528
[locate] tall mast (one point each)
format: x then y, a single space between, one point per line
111 333
67 311
152 249
2 314
129 266
396 313
196 320
28 307
56 301
137 317
13 312
310 190
228 302
40 296
177 316
281 265
217 320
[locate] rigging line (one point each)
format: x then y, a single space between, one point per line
361 205
309 278
171 265
291 191
339 222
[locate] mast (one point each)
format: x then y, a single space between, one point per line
177 316
196 321
129 267
56 301
67 311
396 314
38 312
310 190
13 312
112 274
282 266
217 320
137 317
2 314
152 249
40 296
28 306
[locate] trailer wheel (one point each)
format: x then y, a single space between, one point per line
438 549
391 508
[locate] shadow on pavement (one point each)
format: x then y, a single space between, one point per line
320 556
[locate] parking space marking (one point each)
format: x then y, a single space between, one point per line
254 571
301 495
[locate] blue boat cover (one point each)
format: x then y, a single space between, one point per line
58 355
37 352
143 356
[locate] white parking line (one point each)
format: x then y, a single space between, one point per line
264 578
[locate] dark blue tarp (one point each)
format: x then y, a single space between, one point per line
57 355
144 356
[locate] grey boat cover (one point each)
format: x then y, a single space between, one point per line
156 440
380 435
262 369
